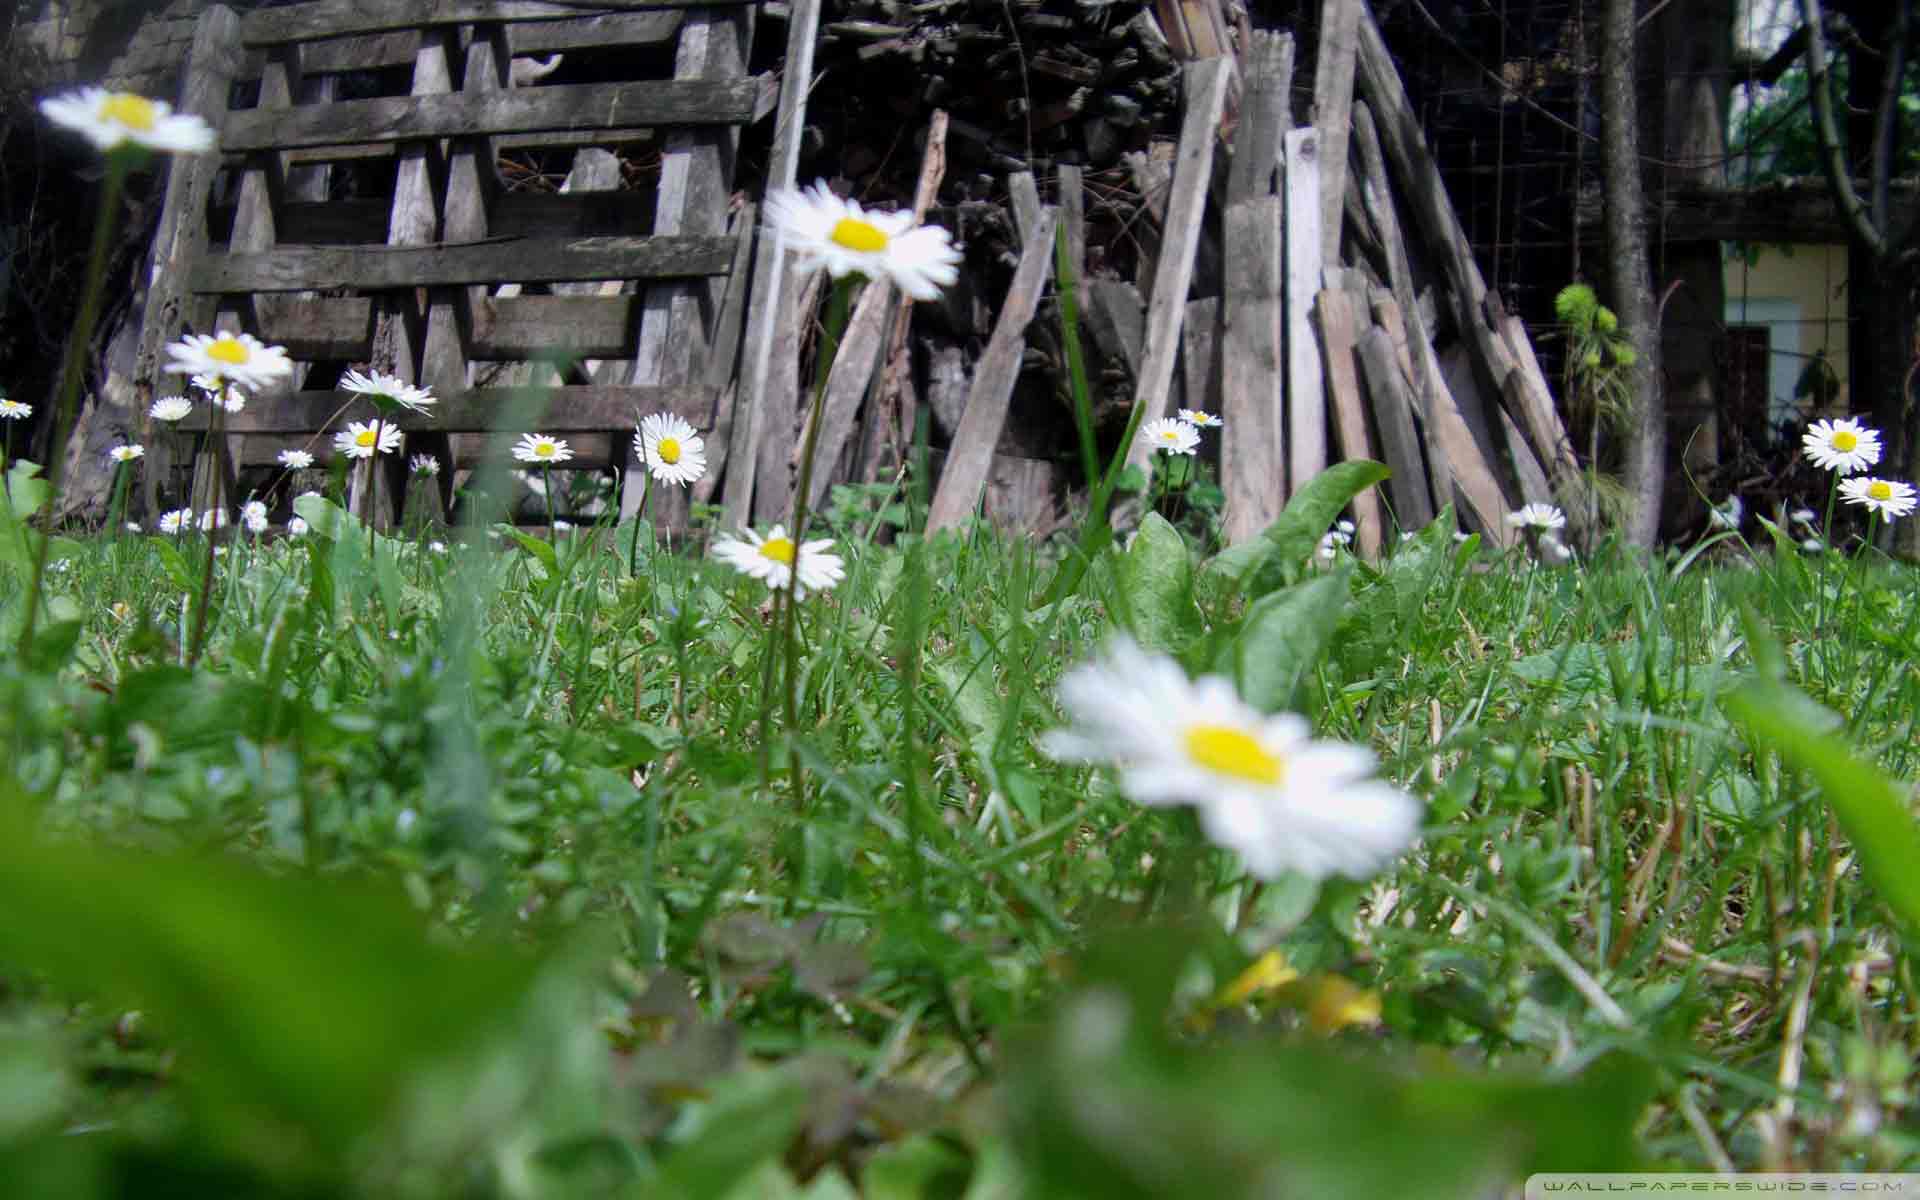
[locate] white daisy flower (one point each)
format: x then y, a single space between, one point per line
358 438
1344 526
238 358
1845 445
1887 497
777 558
253 514
112 119
127 453
539 448
387 392
295 460
1200 419
673 452
177 521
296 527
1727 516
562 525
222 391
424 464
1804 516
1171 435
14 410
824 230
1262 786
1556 550
212 519
437 547
1541 518
171 408
1813 545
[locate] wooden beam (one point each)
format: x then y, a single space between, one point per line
1393 411
524 260
1334 315
971 455
561 410
854 361
563 108
340 18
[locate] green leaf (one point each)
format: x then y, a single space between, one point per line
1876 814
300 1008
922 1167
750 1120
1279 555
540 548
1284 635
1156 586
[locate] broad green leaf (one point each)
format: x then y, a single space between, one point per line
1156 586
299 1008
750 1120
1284 635
1876 814
326 518
922 1167
540 548
1280 554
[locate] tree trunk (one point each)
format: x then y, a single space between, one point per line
1626 238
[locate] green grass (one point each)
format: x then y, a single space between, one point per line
479 874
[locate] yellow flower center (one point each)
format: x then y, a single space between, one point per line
1200 418
365 438
779 549
135 112
1229 751
1169 435
543 449
228 350
1844 441
1880 490
668 450
857 235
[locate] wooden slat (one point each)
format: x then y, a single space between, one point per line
1205 85
394 48
525 260
1251 470
335 327
1392 409
971 456
342 18
1334 315
1264 118
853 366
1306 436
512 214
561 410
1332 103
763 401
528 110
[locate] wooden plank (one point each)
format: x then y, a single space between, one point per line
1393 412
1205 86
1073 215
1023 193
1457 369
396 47
1264 119
1470 466
971 455
1306 436
338 327
560 108
1334 316
1252 471
1200 355
770 286
181 236
1386 315
524 260
559 410
1333 66
853 367
1528 390
341 18
693 194
891 416
723 354
512 214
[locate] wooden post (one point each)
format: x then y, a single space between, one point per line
1206 97
1306 436
770 286
1392 407
853 365
1332 101
971 455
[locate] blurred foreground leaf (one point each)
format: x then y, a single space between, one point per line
300 1008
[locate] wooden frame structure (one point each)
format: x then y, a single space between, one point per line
437 279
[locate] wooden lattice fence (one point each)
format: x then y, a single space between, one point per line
447 276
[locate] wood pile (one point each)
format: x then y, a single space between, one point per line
1296 266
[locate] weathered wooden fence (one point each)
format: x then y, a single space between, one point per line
448 272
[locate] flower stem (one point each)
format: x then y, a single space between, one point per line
216 448
639 515
546 485
70 372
